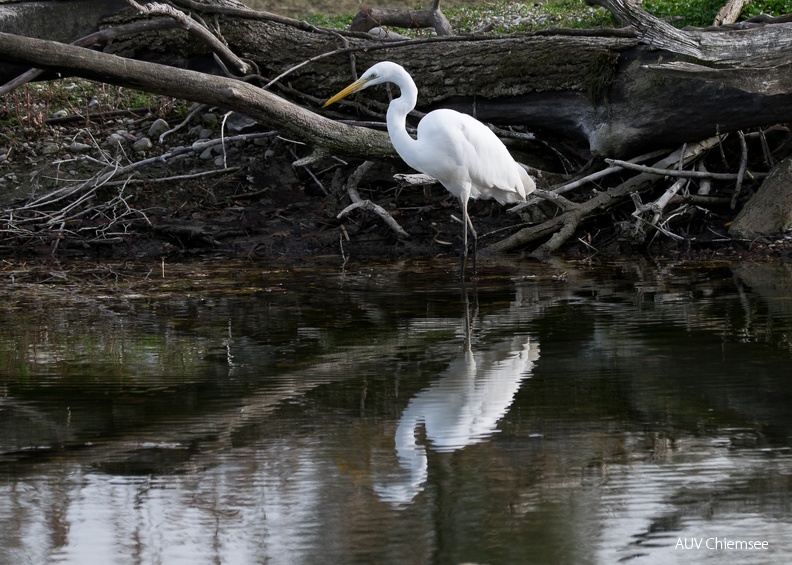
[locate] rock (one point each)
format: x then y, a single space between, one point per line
386 34
207 154
769 211
59 114
115 140
219 161
77 147
239 123
50 149
209 120
142 145
159 127
205 133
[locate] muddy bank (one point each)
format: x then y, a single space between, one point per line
197 182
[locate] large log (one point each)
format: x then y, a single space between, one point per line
291 119
611 92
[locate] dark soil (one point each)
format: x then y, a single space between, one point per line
262 207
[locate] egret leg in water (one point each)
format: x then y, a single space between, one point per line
459 151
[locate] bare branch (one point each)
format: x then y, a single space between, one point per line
227 56
358 202
678 173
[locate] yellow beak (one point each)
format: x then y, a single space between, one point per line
354 87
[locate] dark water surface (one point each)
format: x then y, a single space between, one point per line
235 414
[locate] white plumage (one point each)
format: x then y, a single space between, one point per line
459 151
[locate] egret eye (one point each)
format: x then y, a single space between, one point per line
487 170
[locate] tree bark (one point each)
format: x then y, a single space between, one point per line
370 18
328 136
612 93
769 212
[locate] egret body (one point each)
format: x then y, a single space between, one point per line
459 151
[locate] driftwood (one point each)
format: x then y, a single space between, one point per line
370 18
612 92
603 93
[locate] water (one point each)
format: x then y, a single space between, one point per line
552 413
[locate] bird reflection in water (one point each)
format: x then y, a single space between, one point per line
462 408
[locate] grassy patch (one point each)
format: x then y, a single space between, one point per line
701 13
27 108
515 17
771 7
501 17
331 22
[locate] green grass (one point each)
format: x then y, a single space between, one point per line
515 17
502 17
701 13
331 22
772 7
25 110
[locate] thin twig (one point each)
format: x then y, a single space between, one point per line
677 173
741 170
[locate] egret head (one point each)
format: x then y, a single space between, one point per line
379 73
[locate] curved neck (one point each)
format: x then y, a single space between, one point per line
397 114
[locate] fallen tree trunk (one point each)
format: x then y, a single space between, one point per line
613 93
271 110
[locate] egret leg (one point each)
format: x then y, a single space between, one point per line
467 224
464 250
475 240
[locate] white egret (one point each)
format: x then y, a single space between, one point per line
456 149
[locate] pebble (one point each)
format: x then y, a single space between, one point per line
77 147
142 145
159 127
115 140
50 149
